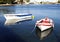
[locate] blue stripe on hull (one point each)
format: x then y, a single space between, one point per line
24 15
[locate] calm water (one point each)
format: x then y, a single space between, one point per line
25 31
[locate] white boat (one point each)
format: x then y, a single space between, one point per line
44 24
13 18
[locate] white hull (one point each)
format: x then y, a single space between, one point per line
13 18
42 28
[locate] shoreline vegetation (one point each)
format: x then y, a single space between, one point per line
25 2
19 4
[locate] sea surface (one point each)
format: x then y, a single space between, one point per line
25 31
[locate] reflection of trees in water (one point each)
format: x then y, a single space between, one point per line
13 9
6 11
43 34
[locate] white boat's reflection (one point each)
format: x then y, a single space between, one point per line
14 21
43 34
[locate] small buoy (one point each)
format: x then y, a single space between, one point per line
33 17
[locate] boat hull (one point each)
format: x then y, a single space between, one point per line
43 28
13 18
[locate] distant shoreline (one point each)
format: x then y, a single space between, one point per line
6 4
19 4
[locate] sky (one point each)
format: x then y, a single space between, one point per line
43 0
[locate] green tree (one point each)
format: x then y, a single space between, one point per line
10 1
58 1
21 1
27 0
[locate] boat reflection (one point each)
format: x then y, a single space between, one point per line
14 21
43 34
10 22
